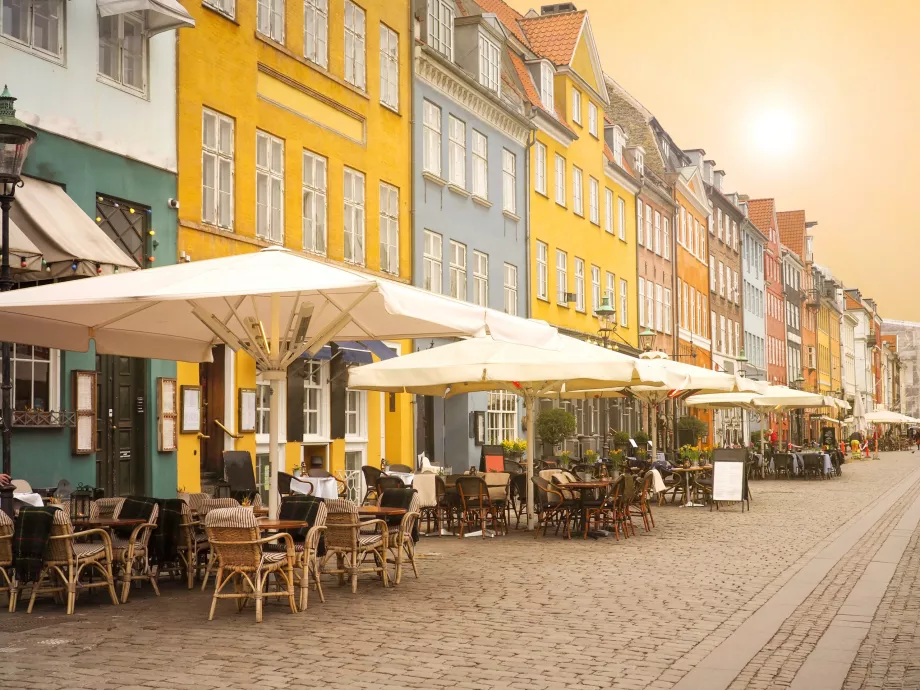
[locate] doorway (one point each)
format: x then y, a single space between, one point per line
211 378
121 453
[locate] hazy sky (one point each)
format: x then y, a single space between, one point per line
813 102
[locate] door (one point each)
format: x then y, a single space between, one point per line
211 380
121 453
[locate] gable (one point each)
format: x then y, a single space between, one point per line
582 65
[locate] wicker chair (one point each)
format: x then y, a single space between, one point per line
195 501
603 510
192 544
476 507
132 555
8 581
371 474
345 541
640 505
431 490
499 490
234 537
513 467
384 482
205 507
552 506
517 497
108 507
306 547
67 559
400 468
401 543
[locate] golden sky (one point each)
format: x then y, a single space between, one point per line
813 102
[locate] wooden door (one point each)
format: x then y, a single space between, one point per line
121 452
211 379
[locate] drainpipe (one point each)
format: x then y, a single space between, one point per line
416 400
528 312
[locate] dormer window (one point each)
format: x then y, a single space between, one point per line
665 148
546 86
441 27
618 145
640 163
488 63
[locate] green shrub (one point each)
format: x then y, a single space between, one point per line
555 426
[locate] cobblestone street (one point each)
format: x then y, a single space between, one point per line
515 612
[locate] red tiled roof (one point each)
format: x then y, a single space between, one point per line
761 212
530 90
792 230
554 36
608 152
851 303
507 15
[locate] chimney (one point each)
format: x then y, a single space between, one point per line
708 165
718 176
558 8
696 157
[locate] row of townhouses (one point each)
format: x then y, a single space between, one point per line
457 145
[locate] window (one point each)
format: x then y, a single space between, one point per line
659 308
314 397
263 406
540 168
542 271
735 286
431 138
270 19
649 304
122 49
480 165
432 260
546 86
579 284
594 201
642 320
658 233
316 33
649 238
509 181
624 301
667 310
691 312
389 229
269 187
610 291
621 230
561 277
684 307
456 151
389 67
38 24
576 106
457 270
35 382
441 27
488 63
640 163
595 288
578 203
666 248
712 273
560 180
354 45
719 216
608 211
225 7
592 119
355 414
501 417
639 226
216 169
618 146
480 279
722 341
682 234
314 203
511 288
354 217
721 279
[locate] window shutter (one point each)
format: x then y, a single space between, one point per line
295 402
338 378
83 392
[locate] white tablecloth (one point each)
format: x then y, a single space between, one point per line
407 477
29 499
323 487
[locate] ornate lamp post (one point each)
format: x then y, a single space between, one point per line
647 340
607 317
15 139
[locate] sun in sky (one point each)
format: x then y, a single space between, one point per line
774 131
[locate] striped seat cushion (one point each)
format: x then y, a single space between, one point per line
87 550
280 548
270 557
122 543
369 539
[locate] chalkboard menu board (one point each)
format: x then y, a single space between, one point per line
829 436
729 478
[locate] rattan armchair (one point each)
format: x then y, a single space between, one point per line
401 540
640 505
8 581
108 507
499 490
552 506
400 468
306 542
205 507
351 546
192 544
370 474
66 558
234 537
604 510
476 507
132 555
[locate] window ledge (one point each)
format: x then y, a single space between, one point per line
216 11
482 202
102 79
457 189
434 179
511 216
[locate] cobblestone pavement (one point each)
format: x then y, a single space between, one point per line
511 612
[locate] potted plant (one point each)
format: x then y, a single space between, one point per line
691 429
641 439
689 455
554 426
591 456
621 441
564 459
618 458
514 448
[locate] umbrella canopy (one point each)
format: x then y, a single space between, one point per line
859 414
272 304
888 417
777 397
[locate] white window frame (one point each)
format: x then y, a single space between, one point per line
389 67
510 291
27 42
433 262
547 76
542 270
594 211
712 273
431 138
501 417
354 207
559 167
721 279
441 27
576 106
592 119
53 404
119 46
316 32
456 151
272 173
624 302
457 270
315 222
608 210
642 320
658 233
578 201
666 242
489 63
579 284
222 158
562 277
540 168
315 369
355 415
595 288
480 279
659 308
649 237
355 28
640 227
509 181
667 311
621 229
263 409
224 7
650 304
618 146
389 228
610 288
480 149
270 19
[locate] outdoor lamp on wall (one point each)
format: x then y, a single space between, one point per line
742 360
15 139
607 315
647 340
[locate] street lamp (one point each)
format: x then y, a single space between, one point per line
15 139
647 340
606 314
742 361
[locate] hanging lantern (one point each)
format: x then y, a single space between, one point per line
81 502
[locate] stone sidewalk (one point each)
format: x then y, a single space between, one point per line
514 612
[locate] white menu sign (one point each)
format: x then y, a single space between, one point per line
727 481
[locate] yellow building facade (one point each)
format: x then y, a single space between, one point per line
294 131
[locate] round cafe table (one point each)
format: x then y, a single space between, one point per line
686 472
106 523
379 511
581 488
266 524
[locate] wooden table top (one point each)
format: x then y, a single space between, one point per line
260 511
691 469
378 511
283 524
597 484
106 522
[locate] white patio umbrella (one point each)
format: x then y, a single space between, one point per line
888 417
273 304
484 364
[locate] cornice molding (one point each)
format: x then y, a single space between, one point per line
456 88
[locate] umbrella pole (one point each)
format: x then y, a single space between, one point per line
277 379
531 449
654 433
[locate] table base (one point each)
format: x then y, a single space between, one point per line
478 533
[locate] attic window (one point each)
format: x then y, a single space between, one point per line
441 27
546 86
665 148
618 145
488 63
640 163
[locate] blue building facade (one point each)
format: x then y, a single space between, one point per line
470 200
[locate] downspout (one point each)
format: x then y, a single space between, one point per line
414 405
532 138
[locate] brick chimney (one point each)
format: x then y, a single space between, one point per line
558 8
717 177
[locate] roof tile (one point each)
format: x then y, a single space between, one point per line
792 230
761 212
507 15
554 36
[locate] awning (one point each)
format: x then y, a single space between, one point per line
24 255
70 242
383 351
160 15
356 352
